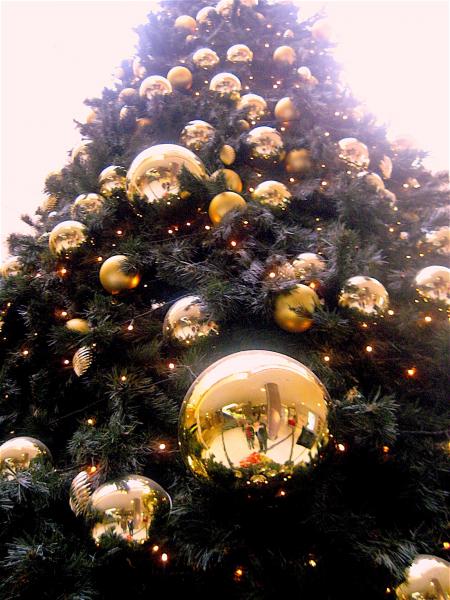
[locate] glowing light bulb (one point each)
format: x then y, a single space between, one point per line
66 361
233 243
90 421
369 349
411 371
164 557
162 446
123 378
171 366
341 447
326 358
119 232
428 319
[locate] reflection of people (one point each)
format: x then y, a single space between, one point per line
130 525
262 437
250 435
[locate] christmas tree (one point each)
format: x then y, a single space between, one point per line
224 347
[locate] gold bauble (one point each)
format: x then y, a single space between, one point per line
253 413
293 309
10 267
86 204
227 154
298 161
439 240
427 578
364 294
49 203
222 204
385 167
180 78
288 34
19 453
154 172
308 265
129 507
277 273
80 153
373 180
433 283
272 193
78 325
80 492
284 55
304 73
232 180
82 360
188 320
205 58
205 16
239 53
285 110
196 134
355 152
255 105
139 70
225 84
266 143
224 8
186 23
66 236
128 96
155 85
114 279
322 31
112 178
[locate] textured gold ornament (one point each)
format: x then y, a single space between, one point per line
222 204
153 86
139 69
255 105
373 179
186 23
128 96
112 178
188 320
49 203
180 78
129 507
205 58
10 267
82 360
272 193
80 492
66 236
232 179
78 325
285 110
225 84
385 167
439 240
254 413
197 134
114 279
227 155
80 153
427 578
355 152
239 53
293 309
308 265
322 31
86 204
298 161
284 55
266 143
19 453
364 294
433 283
154 172
224 8
205 16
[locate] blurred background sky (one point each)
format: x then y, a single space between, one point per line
57 53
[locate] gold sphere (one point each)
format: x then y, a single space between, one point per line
427 577
277 273
78 325
364 294
255 105
298 161
205 58
186 23
205 15
304 73
180 78
265 143
322 31
285 110
239 53
19 453
243 125
439 240
112 178
143 122
308 265
433 283
272 193
293 309
128 96
232 180
86 204
188 319
197 134
355 152
155 85
224 8
154 172
227 155
225 84
114 279
80 153
254 414
284 55
385 167
66 236
222 204
10 267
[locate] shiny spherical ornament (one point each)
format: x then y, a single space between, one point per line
112 178
138 68
255 106
293 309
113 278
66 236
224 8
364 294
284 56
154 172
385 166
186 23
225 84
304 73
227 155
266 143
308 265
197 134
222 204
433 283
80 492
86 204
154 86
205 16
239 53
180 78
373 180
188 320
78 325
20 453
128 96
285 110
298 161
129 507
253 413
322 31
205 58
427 577
80 153
277 273
272 193
355 152
232 180
10 267
439 240
82 360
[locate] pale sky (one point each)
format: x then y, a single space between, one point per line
57 53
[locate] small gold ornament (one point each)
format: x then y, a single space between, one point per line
86 204
266 143
322 31
285 110
239 53
222 204
78 325
153 86
298 161
186 23
188 320
243 125
355 152
439 240
253 413
285 56
308 265
80 153
304 73
82 360
80 492
293 309
385 167
112 178
255 105
272 193
433 283
10 267
139 69
373 179
128 96
227 155
224 8
114 279
19 453
232 179
205 58
66 236
180 78
427 578
154 172
197 134
205 16
364 294
225 84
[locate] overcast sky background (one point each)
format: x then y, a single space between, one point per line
55 54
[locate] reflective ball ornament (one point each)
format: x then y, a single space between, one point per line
272 193
205 58
285 110
206 15
153 86
78 325
80 154
128 96
113 278
10 267
112 178
224 8
222 204
304 73
439 240
253 414
227 155
298 161
66 236
255 106
129 507
278 272
232 180
180 78
265 143
284 56
428 577
80 492
355 152
293 309
308 265
225 84
239 53
197 134
433 283
365 294
188 320
86 204
20 453
186 23
322 31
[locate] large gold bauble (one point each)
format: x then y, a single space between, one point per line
232 180
266 143
154 172
298 161
433 283
10 267
284 55
80 492
372 179
188 320
128 96
224 8
239 53
80 153
322 31
225 84
285 110
255 105
129 507
354 152
385 167
86 204
255 414
112 178
308 265
364 294
428 577
439 240
205 58
227 154
293 309
180 78
205 15
197 134
113 278
222 204
272 193
19 453
155 85
66 236
186 23
78 325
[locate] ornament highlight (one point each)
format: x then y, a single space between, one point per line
232 180
364 294
255 105
308 265
355 152
188 319
205 58
298 161
433 283
227 155
86 204
427 577
272 193
112 178
222 204
114 279
265 143
10 267
225 84
20 453
66 236
239 53
180 78
285 110
285 56
153 86
78 325
197 134
293 309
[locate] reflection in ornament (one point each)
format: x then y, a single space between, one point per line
66 236
155 85
266 143
19 453
188 319
439 240
364 294
225 83
10 267
433 283
239 53
255 106
196 134
427 578
81 152
272 193
308 265
112 178
86 204
205 58
355 152
205 16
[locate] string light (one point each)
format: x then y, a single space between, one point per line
272 275
90 421
155 548
390 312
64 313
123 378
25 352
369 349
162 446
428 319
92 469
238 572
66 361
312 562
341 447
326 358
63 271
99 258
386 449
233 243
130 327
119 232
171 366
207 227
411 371
164 557
446 545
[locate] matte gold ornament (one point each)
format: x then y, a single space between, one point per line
112 178
293 309
385 167
224 8
188 320
285 110
86 204
80 153
365 294
239 53
255 414
266 143
433 283
205 16
322 31
227 155
138 68
439 240
66 236
298 161
80 492
180 78
222 204
128 96
255 105
205 58
225 84
272 193
10 267
154 172
186 23
114 279
373 180
78 325
19 453
427 578
285 56
232 179
355 152
154 86
82 360
129 507
197 134
308 265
